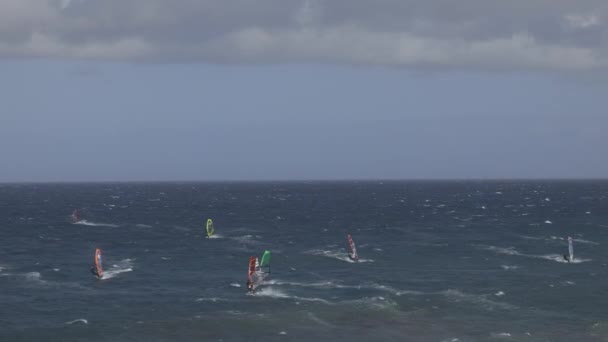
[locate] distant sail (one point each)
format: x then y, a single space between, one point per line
210 228
98 263
75 216
353 249
570 249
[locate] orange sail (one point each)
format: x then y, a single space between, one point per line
252 261
98 264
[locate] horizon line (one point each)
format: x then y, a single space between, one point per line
319 180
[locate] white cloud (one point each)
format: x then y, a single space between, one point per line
577 21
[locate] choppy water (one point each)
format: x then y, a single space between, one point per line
444 261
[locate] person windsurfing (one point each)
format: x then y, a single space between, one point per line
570 256
97 268
352 255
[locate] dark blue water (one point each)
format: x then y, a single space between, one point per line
441 261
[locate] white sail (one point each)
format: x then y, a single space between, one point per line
570 249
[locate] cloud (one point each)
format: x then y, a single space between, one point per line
467 34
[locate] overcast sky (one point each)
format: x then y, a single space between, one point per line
291 89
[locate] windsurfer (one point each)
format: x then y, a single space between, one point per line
250 286
566 257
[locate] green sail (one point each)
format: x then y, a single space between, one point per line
210 229
265 259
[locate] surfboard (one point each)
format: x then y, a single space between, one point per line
353 249
210 228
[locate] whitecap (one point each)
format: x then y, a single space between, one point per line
509 267
502 334
336 254
79 320
94 224
274 293
125 265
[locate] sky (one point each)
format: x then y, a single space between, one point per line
154 90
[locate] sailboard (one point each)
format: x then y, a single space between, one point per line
210 228
353 249
98 263
570 249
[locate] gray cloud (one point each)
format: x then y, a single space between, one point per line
471 34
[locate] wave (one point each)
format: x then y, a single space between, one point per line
559 258
278 294
552 257
125 265
589 242
317 320
141 225
553 238
376 302
95 224
216 236
79 320
34 277
209 299
235 285
509 267
321 284
246 239
336 254
336 285
500 335
478 299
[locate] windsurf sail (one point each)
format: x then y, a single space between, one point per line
570 249
353 249
252 262
75 216
210 228
254 279
98 263
265 263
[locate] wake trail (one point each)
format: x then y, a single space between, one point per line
94 224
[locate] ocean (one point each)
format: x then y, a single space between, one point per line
439 261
